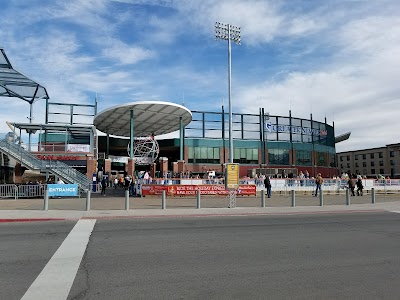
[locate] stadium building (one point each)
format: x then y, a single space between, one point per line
279 146
273 145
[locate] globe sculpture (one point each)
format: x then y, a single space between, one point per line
145 150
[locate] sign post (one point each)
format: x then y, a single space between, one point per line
232 182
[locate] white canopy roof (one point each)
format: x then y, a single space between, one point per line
149 118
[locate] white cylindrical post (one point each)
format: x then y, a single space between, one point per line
373 195
46 199
293 199
198 198
163 200
127 200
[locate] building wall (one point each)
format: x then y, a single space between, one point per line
280 151
371 162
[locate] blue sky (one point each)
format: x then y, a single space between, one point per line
334 59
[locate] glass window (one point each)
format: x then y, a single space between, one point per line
356 157
321 159
372 171
245 156
392 163
303 158
348 157
381 163
381 171
203 155
216 153
372 164
278 156
391 153
190 152
372 155
341 158
364 164
356 164
332 160
210 153
380 155
364 156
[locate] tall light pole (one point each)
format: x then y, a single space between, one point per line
230 33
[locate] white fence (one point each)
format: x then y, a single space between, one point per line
278 185
21 191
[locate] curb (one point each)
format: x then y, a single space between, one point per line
31 220
181 216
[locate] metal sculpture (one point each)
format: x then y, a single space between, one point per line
145 150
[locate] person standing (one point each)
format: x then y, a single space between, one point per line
318 184
115 183
301 177
359 187
267 184
103 186
351 186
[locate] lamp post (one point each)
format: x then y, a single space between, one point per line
230 33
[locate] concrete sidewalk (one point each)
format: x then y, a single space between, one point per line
150 207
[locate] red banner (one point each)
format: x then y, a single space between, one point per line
187 190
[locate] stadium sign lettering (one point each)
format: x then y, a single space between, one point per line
295 129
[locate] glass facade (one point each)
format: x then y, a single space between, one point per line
321 159
284 140
303 158
203 155
278 156
257 127
245 156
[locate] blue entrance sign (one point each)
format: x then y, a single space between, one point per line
62 190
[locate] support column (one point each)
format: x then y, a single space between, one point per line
175 167
131 166
18 173
131 136
108 146
181 166
90 165
180 139
153 170
163 165
107 165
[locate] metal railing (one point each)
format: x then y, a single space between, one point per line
21 191
58 168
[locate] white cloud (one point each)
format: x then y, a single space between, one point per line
337 60
125 54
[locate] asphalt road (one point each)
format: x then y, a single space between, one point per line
329 256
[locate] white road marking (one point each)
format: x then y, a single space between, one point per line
57 277
396 211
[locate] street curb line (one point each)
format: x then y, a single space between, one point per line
232 215
31 220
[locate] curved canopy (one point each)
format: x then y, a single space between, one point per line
149 118
15 84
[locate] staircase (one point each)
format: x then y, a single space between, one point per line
60 169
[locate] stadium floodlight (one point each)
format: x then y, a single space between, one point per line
229 33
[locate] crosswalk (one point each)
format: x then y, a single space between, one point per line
53 284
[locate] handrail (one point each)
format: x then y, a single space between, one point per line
60 169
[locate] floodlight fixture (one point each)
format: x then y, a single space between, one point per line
228 33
